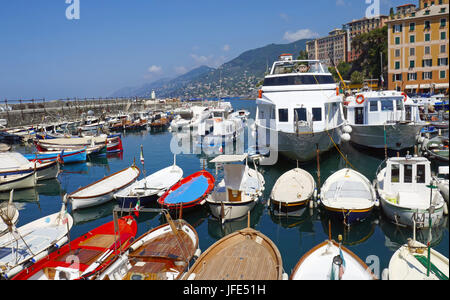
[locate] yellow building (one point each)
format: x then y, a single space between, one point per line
418 47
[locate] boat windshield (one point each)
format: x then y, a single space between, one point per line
298 66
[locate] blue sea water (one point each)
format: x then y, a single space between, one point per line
374 240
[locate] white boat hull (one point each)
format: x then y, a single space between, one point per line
398 136
23 181
48 172
230 211
89 202
406 216
303 147
103 190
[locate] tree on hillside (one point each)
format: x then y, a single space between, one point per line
371 45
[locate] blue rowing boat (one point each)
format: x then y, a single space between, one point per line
68 156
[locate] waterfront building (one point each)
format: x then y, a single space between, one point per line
332 48
360 26
418 48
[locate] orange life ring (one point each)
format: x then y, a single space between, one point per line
360 96
405 97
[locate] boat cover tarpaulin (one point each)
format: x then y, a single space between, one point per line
189 191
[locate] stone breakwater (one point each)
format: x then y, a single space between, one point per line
33 112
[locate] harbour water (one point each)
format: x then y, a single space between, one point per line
374 240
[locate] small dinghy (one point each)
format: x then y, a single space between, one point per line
292 191
33 241
331 261
238 192
246 254
103 190
348 195
147 190
188 192
163 253
92 251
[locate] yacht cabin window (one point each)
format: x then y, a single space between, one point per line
420 174
408 176
395 173
373 105
283 115
387 105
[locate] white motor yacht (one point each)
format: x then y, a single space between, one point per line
383 119
299 109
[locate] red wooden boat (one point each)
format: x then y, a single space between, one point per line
85 255
189 192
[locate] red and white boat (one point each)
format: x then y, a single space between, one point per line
189 192
84 256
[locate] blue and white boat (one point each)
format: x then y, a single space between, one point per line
67 156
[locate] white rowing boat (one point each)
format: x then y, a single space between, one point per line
292 191
103 190
348 195
331 261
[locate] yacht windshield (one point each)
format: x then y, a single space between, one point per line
297 66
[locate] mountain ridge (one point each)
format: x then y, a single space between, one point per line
236 78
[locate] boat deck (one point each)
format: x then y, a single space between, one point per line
161 255
248 260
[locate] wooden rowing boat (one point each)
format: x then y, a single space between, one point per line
86 255
103 190
246 254
163 253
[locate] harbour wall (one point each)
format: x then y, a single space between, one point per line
37 111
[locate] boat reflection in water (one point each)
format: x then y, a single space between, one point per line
356 234
81 216
195 217
218 230
50 188
27 195
301 219
397 236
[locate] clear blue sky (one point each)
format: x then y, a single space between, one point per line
119 43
